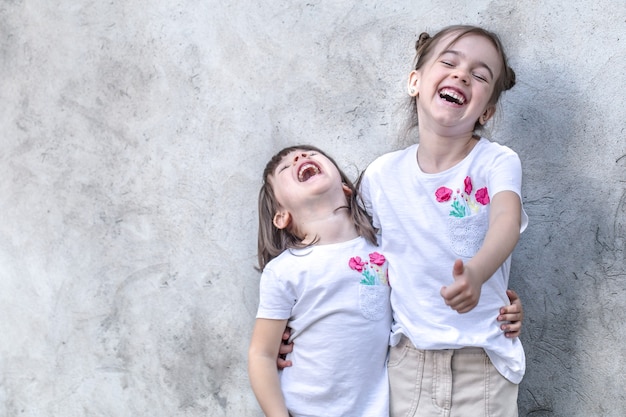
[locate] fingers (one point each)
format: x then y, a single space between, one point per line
460 296
286 334
285 348
510 313
512 330
513 312
458 268
513 322
511 309
281 363
513 315
464 307
453 293
458 299
515 326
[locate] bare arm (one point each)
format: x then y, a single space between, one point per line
502 236
264 346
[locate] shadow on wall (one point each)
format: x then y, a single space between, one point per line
570 259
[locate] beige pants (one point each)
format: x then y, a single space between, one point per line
447 383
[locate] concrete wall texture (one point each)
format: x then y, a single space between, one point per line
133 139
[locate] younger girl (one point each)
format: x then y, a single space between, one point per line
450 214
323 275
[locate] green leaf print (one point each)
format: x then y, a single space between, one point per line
458 209
369 278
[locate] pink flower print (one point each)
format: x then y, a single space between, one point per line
373 272
377 258
356 263
468 185
443 194
482 196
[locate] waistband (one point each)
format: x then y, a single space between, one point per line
467 350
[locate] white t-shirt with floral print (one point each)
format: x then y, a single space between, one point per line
427 221
336 300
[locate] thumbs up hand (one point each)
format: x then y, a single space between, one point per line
462 295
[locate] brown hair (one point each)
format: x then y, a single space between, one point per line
273 241
425 44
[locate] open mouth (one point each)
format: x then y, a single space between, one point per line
452 96
307 170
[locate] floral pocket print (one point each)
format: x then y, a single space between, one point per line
374 272
463 203
374 301
466 235
374 285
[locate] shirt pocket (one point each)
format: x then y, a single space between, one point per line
374 301
466 234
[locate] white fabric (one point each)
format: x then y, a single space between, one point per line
340 327
422 237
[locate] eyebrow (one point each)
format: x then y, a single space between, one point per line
480 63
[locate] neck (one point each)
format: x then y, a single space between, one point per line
326 228
437 153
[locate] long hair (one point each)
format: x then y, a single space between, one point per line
273 241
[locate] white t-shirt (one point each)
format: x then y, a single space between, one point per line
336 298
429 220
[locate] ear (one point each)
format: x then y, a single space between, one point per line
282 219
487 114
413 84
346 190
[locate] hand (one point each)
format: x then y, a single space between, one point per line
463 295
284 349
514 314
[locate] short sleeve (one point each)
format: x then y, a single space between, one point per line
276 298
506 175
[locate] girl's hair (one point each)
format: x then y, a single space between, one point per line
425 45
273 241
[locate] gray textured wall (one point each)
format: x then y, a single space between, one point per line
133 139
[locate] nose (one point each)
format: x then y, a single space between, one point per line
298 156
462 75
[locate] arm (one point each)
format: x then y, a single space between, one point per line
264 346
502 236
513 314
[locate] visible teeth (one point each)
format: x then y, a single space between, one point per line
451 95
307 171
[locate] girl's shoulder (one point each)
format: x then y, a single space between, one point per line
488 145
494 157
300 258
393 158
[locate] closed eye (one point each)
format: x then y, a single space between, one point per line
480 77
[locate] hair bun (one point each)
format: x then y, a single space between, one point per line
511 78
421 42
